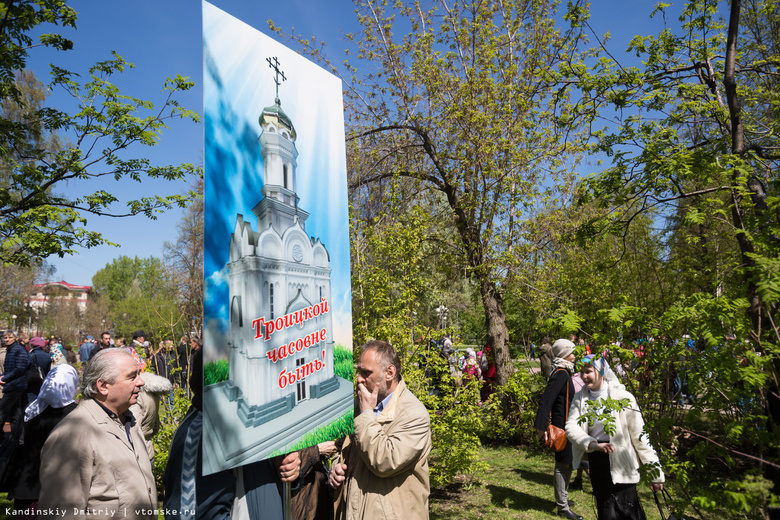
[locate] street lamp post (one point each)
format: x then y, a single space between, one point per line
442 311
13 316
414 322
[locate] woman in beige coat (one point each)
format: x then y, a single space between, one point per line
615 441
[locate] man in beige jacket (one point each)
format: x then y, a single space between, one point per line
95 464
383 469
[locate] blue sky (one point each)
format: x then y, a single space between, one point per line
163 38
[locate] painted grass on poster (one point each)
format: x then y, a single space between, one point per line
341 427
218 371
343 364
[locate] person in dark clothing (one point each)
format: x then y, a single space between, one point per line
105 342
214 493
180 355
39 359
54 402
160 361
257 488
546 357
554 408
312 501
14 382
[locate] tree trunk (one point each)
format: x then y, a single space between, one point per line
758 195
497 330
738 147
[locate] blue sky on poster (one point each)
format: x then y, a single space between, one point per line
163 39
238 83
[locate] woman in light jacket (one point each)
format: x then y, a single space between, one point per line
614 459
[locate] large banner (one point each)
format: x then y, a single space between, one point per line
278 328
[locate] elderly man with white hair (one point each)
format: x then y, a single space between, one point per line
95 461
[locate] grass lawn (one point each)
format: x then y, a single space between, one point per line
527 363
518 485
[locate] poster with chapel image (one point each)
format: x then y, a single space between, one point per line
277 300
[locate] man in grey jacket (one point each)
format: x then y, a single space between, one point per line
95 462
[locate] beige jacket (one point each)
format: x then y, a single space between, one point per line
387 462
87 463
147 409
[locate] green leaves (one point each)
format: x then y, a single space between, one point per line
35 221
106 124
604 410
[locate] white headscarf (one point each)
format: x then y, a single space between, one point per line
603 368
57 390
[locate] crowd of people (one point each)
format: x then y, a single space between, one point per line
38 388
93 456
471 365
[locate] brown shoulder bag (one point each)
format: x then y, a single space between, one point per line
554 437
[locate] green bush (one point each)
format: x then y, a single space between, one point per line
457 418
509 412
170 418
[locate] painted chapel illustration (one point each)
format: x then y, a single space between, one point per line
278 275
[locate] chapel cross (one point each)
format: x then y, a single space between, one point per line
275 65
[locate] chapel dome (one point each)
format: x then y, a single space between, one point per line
276 116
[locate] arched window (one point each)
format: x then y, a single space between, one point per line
271 298
285 177
301 387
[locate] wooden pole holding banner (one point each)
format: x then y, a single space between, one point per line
287 500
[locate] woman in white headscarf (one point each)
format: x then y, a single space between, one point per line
614 454
55 401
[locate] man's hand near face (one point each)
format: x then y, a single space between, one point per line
367 400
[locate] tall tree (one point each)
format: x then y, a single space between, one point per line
696 130
36 221
141 295
126 276
184 259
16 287
695 137
456 101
